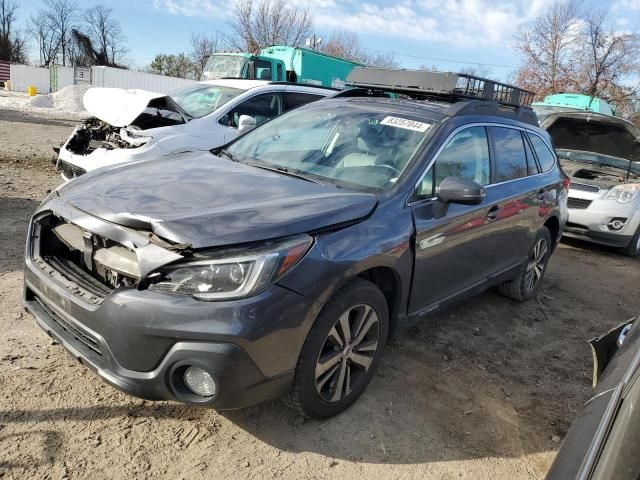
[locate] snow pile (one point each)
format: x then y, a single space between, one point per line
69 99
40 101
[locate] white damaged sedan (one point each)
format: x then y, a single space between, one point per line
130 125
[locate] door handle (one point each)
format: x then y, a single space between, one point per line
492 214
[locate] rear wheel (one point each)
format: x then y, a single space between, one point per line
633 249
526 284
341 352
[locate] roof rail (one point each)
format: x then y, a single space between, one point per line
444 86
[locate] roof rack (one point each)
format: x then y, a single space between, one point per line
445 86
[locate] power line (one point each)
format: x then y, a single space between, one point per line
393 52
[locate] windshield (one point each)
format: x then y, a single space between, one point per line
200 100
336 143
598 159
225 66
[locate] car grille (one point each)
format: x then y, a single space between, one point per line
77 259
80 335
584 187
70 171
578 203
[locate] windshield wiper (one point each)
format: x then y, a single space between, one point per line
285 171
222 151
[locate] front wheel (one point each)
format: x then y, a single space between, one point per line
341 352
526 284
633 249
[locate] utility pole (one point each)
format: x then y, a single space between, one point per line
313 42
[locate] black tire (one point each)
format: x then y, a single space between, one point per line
521 288
633 249
356 302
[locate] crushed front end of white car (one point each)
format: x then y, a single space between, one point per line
122 128
601 155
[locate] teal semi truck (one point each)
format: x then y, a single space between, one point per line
281 64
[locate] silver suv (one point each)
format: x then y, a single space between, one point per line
601 155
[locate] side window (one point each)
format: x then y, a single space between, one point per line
294 99
261 107
510 159
263 69
466 155
532 166
280 73
545 156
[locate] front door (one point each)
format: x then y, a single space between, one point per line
454 244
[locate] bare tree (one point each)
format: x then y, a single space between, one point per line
606 59
41 30
202 47
259 24
63 15
347 45
12 44
547 45
105 33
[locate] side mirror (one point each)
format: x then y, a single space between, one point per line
246 122
460 190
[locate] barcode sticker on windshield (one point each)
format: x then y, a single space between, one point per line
406 124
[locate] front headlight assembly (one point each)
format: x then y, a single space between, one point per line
233 273
623 193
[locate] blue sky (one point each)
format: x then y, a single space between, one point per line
448 34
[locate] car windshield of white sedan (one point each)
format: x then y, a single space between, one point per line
351 144
201 100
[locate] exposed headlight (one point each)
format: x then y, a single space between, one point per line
233 274
623 193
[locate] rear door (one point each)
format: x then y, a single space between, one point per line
515 193
454 245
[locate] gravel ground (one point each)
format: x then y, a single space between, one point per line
483 390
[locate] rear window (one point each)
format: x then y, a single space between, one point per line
510 158
545 156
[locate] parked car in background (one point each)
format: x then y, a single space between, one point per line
282 263
601 154
129 125
603 442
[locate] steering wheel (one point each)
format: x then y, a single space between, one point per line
390 167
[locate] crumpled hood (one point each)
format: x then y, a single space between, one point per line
116 106
208 201
593 132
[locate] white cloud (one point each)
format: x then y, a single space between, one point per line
460 23
193 8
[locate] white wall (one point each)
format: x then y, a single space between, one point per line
120 78
65 77
22 76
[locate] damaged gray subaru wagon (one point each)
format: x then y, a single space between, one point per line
281 264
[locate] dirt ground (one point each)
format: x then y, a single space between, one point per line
484 390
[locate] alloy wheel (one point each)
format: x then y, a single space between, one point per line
347 353
537 262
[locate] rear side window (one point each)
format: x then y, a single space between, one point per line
294 99
545 156
532 166
510 157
